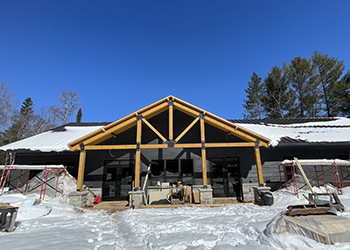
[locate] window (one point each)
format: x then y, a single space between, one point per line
172 168
157 168
172 171
186 168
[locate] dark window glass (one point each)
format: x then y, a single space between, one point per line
187 168
172 168
157 168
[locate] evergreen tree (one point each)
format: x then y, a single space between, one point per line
299 75
328 71
21 124
341 96
253 104
79 115
278 98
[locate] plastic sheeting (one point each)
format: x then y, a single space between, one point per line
327 229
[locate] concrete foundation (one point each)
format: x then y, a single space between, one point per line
136 198
206 195
78 199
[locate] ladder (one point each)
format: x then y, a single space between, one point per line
320 175
336 179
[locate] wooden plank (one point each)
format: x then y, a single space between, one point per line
187 129
138 155
258 166
303 174
81 170
154 130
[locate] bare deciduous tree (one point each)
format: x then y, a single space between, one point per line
7 106
69 103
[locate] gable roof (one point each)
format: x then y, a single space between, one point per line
159 107
280 131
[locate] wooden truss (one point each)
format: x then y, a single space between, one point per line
141 117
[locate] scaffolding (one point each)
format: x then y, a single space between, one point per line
20 182
321 167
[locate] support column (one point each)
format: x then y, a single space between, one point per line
81 170
171 120
204 156
138 152
258 163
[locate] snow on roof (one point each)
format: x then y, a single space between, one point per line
332 130
53 140
318 162
306 130
31 167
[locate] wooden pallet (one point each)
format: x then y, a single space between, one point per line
308 209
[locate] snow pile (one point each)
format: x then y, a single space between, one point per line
239 227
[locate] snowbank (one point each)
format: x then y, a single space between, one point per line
238 227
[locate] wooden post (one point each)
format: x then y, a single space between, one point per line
258 163
204 156
138 152
171 120
82 158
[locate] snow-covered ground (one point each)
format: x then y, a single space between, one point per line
232 227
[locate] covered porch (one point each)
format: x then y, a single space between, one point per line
169 137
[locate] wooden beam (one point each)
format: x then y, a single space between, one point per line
258 166
81 170
154 130
171 120
138 154
177 145
229 144
220 125
187 129
108 147
154 146
119 127
187 145
204 156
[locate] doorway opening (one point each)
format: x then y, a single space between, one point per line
225 177
117 180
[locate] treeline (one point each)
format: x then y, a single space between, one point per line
25 121
314 87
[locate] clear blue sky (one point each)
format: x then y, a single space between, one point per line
123 55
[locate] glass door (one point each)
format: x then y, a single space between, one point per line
117 180
225 177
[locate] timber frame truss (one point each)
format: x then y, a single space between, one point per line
141 117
